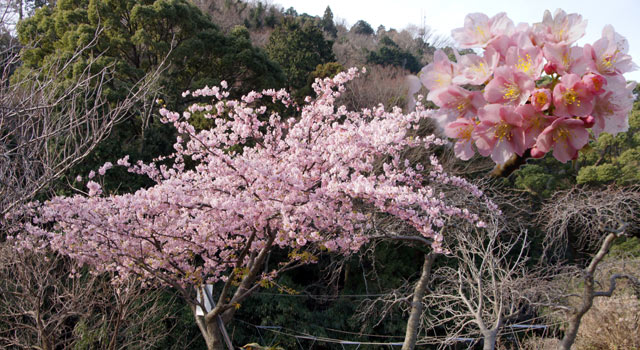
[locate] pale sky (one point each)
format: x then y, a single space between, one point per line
445 15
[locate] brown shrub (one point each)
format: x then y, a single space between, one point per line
611 324
386 85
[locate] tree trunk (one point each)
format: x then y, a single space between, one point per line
570 334
489 341
416 305
213 337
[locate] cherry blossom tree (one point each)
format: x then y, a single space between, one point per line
254 182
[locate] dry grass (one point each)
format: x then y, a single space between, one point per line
611 324
540 343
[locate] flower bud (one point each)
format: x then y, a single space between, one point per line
549 68
536 153
589 121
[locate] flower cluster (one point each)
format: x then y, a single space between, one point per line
257 180
532 89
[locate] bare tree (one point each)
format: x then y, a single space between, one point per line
484 289
47 127
408 297
49 302
386 85
585 220
413 297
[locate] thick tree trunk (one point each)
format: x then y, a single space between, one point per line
213 337
490 340
416 305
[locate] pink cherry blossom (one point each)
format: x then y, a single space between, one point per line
500 133
297 186
565 59
566 136
595 83
560 28
458 101
527 60
476 70
479 30
607 57
572 98
103 169
94 188
462 129
584 83
611 110
541 99
439 73
534 122
509 86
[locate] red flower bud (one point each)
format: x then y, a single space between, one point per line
549 68
536 153
589 121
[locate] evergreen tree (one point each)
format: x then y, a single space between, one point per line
390 54
134 37
299 46
363 28
327 23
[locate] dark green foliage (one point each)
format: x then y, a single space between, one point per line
139 34
327 23
291 12
534 179
625 247
613 159
327 70
299 46
390 54
363 28
320 308
136 36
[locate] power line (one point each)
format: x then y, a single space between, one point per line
305 336
327 296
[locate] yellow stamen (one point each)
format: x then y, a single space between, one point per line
511 92
561 134
479 68
524 64
462 105
440 80
464 132
566 61
541 99
480 31
609 60
503 131
570 97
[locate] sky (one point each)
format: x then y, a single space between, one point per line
444 15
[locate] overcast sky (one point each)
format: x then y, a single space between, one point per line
445 15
